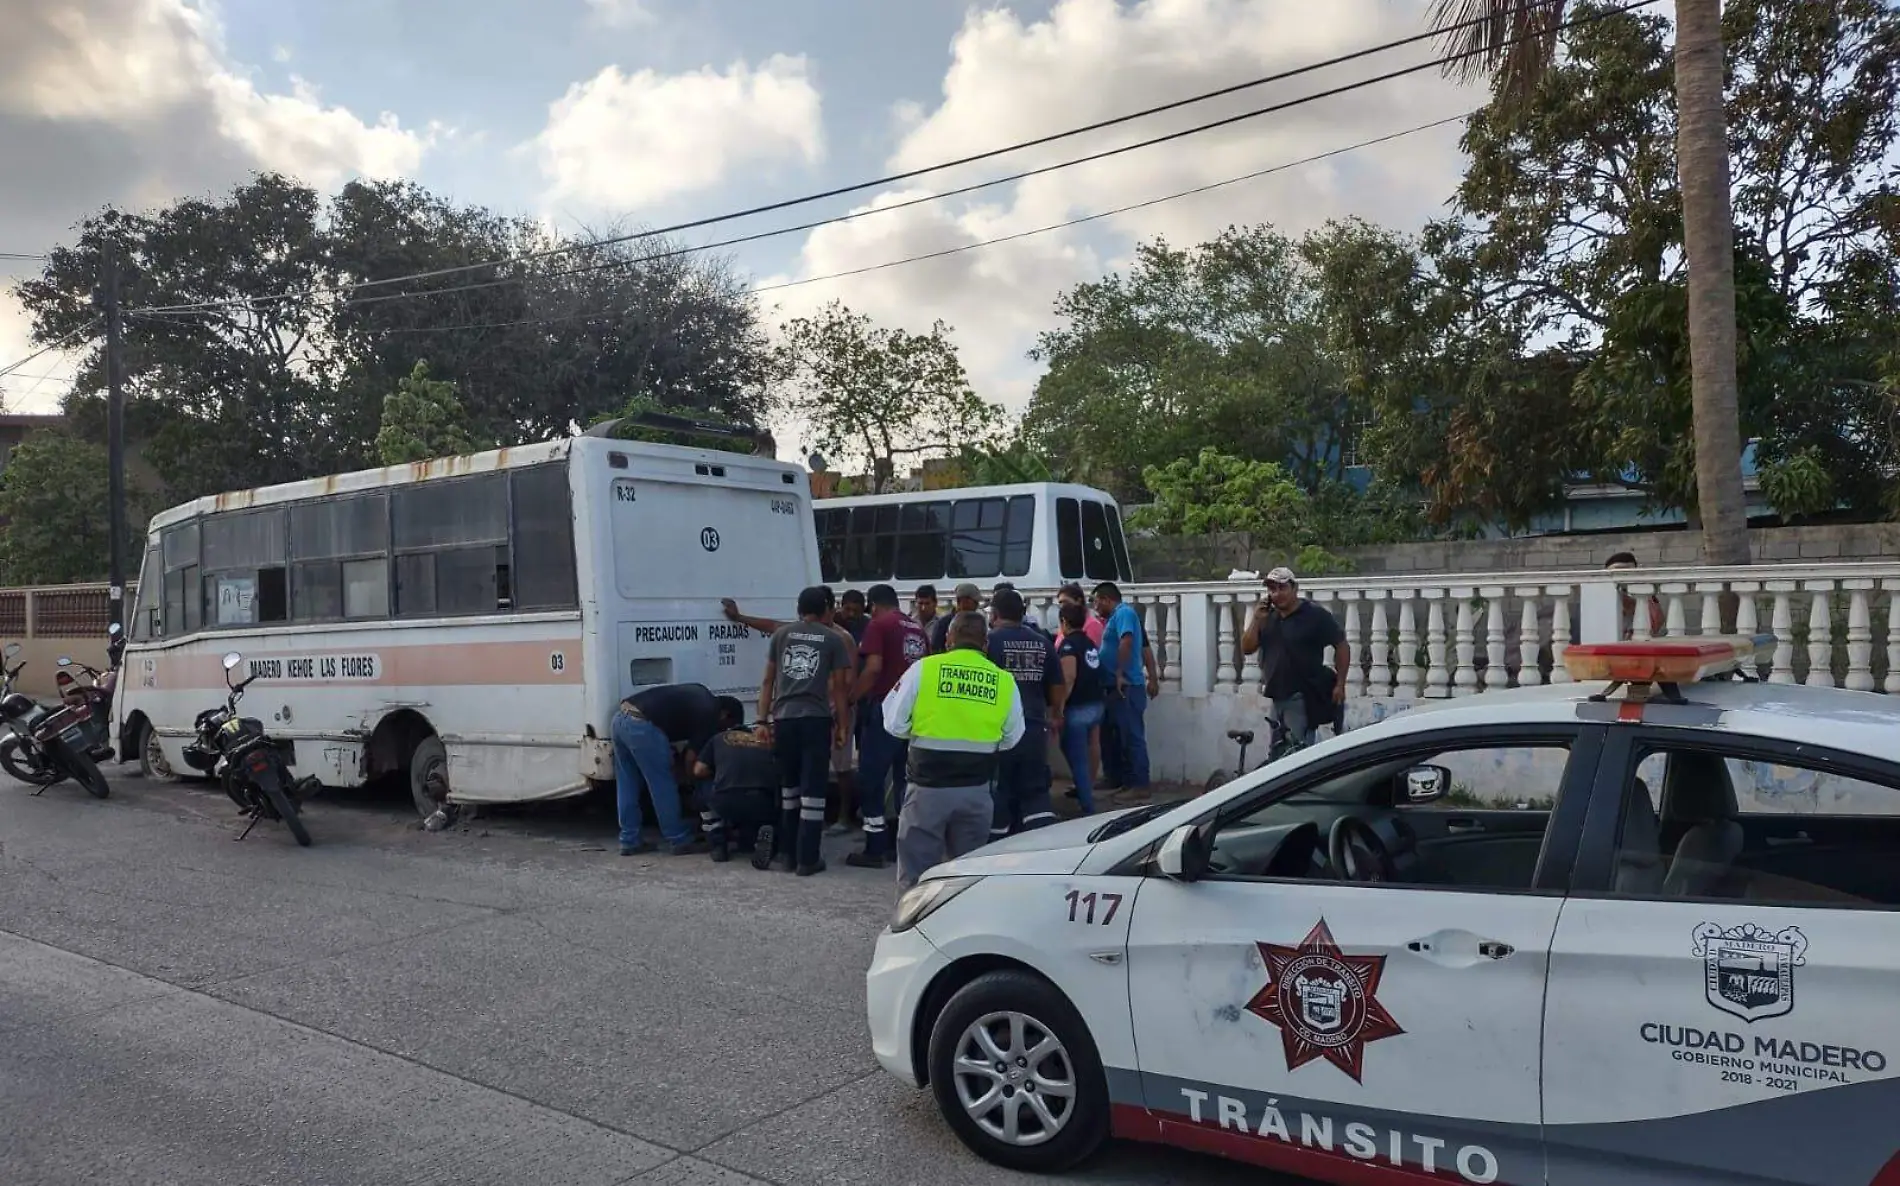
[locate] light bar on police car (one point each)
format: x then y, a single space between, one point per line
1658 661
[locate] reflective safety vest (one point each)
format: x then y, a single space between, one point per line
957 722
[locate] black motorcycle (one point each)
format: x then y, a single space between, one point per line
45 746
237 751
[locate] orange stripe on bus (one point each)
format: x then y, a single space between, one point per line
545 662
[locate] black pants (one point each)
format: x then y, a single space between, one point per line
736 813
1021 789
803 746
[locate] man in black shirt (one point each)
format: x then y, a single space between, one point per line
646 730
1291 635
1021 789
739 792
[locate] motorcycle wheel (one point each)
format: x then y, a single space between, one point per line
14 760
287 811
85 771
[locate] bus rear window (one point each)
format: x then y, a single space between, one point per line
833 529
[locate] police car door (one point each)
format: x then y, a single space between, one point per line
1722 986
1334 1028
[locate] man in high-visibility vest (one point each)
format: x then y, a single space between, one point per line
959 711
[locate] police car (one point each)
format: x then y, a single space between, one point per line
1639 928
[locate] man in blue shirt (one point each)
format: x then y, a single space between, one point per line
1021 789
1125 652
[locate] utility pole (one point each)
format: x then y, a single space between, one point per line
115 436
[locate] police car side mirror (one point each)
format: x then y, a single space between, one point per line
1185 854
1425 784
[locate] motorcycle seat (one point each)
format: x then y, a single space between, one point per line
1243 736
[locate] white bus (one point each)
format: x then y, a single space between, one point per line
1036 536
472 622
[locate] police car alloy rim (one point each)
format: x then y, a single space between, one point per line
1015 1079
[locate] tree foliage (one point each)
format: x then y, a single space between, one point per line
53 504
874 396
422 419
1570 228
265 336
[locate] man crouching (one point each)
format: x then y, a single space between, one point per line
738 788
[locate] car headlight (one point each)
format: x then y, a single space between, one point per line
920 901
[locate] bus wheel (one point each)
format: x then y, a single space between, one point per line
429 777
152 764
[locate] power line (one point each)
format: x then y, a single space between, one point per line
81 332
1434 63
1010 238
21 255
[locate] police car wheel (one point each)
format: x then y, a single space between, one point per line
1016 1074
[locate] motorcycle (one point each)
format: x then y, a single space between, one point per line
95 695
45 746
235 750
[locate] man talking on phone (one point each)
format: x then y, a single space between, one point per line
1291 635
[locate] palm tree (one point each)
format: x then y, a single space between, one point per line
1512 43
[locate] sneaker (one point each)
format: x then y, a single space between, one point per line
762 847
866 860
721 855
840 829
687 848
636 850
811 870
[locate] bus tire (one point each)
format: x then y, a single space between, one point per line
428 769
152 764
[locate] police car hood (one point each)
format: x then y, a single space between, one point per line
1054 851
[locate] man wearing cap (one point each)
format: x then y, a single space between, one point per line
1291 635
959 711
969 597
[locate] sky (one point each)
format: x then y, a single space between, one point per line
590 113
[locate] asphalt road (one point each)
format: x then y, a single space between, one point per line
511 1002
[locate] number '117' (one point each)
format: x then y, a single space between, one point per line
1082 906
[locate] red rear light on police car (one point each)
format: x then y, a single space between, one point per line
1665 662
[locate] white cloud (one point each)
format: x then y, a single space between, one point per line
137 102
620 13
1011 79
623 141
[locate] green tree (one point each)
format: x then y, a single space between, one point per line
272 333
53 503
1226 343
422 419
875 396
1601 189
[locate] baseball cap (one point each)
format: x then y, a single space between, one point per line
967 589
1282 576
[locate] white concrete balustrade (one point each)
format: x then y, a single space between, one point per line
1417 638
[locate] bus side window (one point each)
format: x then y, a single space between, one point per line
246 581
452 546
543 573
833 527
184 603
339 550
1019 535
147 624
1069 538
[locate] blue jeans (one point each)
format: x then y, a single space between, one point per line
1127 709
880 764
1077 723
1291 713
643 759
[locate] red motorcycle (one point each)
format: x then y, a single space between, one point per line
94 695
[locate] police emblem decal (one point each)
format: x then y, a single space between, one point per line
1323 1002
1748 971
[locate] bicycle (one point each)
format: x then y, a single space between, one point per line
1281 742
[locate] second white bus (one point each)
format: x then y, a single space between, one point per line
1036 536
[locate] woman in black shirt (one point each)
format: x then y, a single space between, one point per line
1082 710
